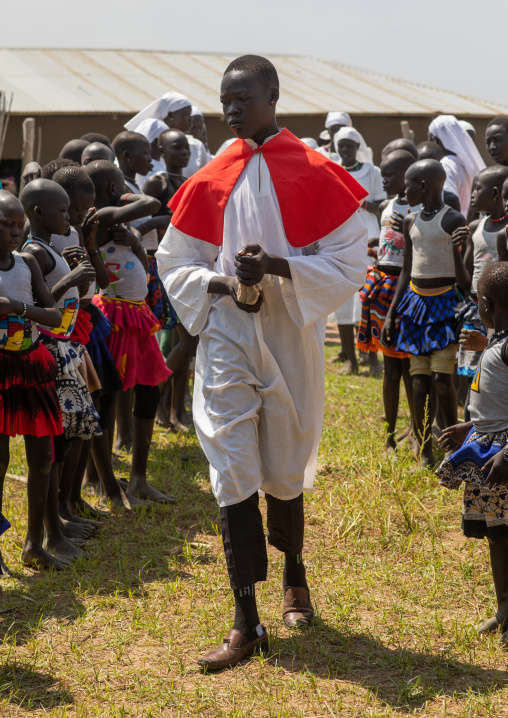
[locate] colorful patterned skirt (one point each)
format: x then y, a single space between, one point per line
157 298
100 355
427 324
377 295
132 343
79 416
468 361
28 393
485 509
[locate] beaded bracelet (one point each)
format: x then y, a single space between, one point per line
23 314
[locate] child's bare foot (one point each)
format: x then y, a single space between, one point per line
162 416
67 515
390 445
124 445
491 625
140 488
70 529
64 549
348 369
4 569
427 458
177 427
37 557
83 508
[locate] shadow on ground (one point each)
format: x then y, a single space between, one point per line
21 686
401 678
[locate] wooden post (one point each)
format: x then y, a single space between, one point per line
5 113
407 132
28 154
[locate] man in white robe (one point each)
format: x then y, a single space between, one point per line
259 389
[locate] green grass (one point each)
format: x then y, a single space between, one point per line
398 591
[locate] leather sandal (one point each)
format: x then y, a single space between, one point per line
234 648
298 611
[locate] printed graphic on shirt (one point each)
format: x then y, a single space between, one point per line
475 386
15 333
69 313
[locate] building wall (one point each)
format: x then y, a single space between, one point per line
58 129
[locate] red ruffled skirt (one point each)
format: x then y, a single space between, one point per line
132 343
28 396
82 328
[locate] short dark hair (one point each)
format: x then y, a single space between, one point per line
501 121
125 141
493 283
97 137
73 150
50 168
74 179
256 65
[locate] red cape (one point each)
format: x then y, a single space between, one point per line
315 195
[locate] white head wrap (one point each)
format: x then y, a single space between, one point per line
467 126
196 112
454 138
363 153
310 142
325 135
338 118
160 109
151 128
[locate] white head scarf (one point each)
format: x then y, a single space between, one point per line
467 126
159 109
325 135
338 118
455 139
363 153
310 142
151 128
196 112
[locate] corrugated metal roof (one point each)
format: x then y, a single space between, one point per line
121 81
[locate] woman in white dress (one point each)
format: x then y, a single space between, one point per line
353 154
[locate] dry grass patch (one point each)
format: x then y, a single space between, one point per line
398 590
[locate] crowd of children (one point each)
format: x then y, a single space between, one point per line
91 346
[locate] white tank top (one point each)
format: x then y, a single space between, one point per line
485 251
17 333
150 240
391 243
61 242
127 276
68 304
432 248
488 399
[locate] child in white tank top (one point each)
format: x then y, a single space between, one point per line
132 344
29 405
426 298
480 459
381 284
481 251
79 416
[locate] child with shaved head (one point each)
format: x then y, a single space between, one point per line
425 300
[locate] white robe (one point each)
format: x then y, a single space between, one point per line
199 157
259 389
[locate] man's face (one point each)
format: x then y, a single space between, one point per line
248 104
496 139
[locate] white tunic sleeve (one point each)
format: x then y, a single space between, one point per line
322 282
185 267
